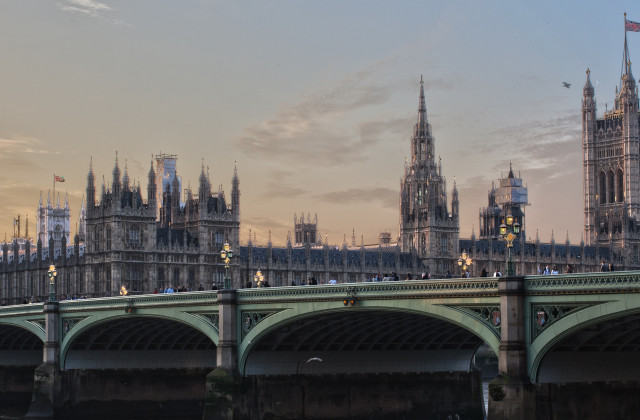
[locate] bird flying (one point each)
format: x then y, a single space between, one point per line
567 85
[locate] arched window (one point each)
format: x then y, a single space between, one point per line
97 237
603 188
134 234
611 189
423 244
620 183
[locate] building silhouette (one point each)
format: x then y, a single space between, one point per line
612 168
426 226
148 240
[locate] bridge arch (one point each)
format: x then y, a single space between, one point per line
172 338
21 343
429 324
580 342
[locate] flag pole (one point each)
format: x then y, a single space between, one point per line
54 189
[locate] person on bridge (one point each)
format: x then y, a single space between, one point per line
604 267
483 273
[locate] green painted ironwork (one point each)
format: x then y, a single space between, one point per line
488 315
544 316
212 318
251 319
69 323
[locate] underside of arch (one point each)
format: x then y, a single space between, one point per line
140 342
604 351
19 347
363 341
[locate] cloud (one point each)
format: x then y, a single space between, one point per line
533 145
386 197
90 8
309 132
20 153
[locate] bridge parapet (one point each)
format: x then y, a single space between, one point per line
141 301
418 289
609 282
13 310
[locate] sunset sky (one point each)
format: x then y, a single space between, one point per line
314 100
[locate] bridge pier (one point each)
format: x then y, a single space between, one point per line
511 393
223 382
47 382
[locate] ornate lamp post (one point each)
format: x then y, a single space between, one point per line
464 262
258 279
510 230
226 254
52 273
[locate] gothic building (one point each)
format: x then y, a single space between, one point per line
426 226
509 198
306 231
610 147
125 243
54 222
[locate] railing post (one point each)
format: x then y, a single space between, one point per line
47 384
511 394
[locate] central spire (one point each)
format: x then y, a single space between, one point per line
422 107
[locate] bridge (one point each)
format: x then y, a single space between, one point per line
544 329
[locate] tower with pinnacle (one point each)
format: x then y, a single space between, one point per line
54 222
426 226
611 166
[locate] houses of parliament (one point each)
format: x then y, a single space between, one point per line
149 240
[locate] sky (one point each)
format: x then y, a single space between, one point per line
314 101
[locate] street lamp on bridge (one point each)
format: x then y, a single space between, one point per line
464 262
226 254
509 230
52 273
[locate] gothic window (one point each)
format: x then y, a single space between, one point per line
603 188
411 246
108 235
219 239
176 277
191 284
611 188
134 235
419 195
423 244
97 238
620 182
57 233
443 243
218 279
134 278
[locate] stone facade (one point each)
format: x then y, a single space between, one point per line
426 226
612 169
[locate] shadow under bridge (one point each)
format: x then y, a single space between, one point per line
361 341
140 343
